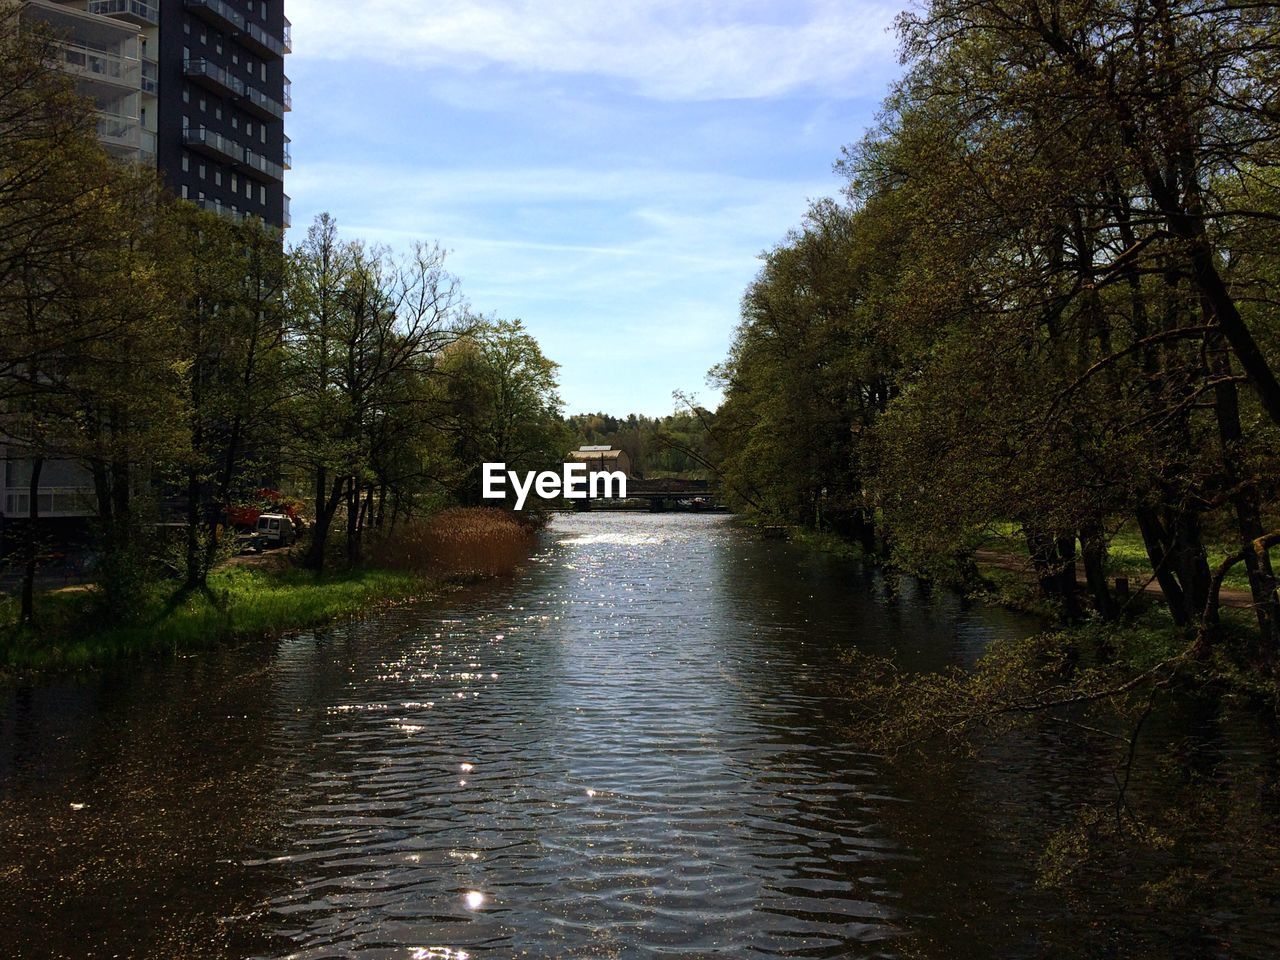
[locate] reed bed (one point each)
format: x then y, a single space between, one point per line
459 542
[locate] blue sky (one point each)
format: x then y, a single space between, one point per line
608 172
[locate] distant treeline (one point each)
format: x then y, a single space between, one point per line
680 444
1050 297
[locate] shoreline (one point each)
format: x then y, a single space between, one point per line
243 603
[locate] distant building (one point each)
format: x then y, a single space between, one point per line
194 88
602 459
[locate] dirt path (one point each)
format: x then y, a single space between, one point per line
1230 596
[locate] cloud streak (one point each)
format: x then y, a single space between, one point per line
661 49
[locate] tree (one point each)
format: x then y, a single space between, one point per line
365 330
501 395
85 365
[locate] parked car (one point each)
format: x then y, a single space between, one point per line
276 530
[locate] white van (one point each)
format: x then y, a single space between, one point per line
276 530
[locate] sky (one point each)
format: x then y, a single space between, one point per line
607 171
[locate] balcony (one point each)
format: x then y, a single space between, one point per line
213 77
288 219
218 13
216 145
221 209
257 39
132 11
288 94
257 102
125 138
52 501
255 164
99 66
287 37
150 77
252 36
119 133
288 154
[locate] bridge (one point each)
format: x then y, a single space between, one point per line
667 493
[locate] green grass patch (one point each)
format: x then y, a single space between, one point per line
1129 555
1126 554
828 543
241 603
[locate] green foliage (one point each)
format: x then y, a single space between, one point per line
239 603
681 444
500 393
1047 302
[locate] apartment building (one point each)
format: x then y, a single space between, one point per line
195 88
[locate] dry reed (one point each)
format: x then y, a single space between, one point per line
459 542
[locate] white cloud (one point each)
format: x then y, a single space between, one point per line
663 49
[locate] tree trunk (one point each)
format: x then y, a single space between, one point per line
1248 509
195 567
326 507
1054 560
32 544
1093 552
353 522
1155 539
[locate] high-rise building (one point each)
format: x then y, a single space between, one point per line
195 87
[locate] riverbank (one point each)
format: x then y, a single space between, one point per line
264 596
241 602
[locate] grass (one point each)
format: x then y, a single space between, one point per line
828 543
1129 556
241 603
244 601
1126 554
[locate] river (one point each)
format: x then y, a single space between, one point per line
632 748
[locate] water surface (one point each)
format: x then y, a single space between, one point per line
631 749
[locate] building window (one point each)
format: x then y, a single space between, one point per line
248 128
184 191
186 162
203 105
186 27
248 189
201 170
217 111
204 36
186 94
235 183
218 46
264 70
262 194
201 196
235 122
186 54
217 178
262 133
264 9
